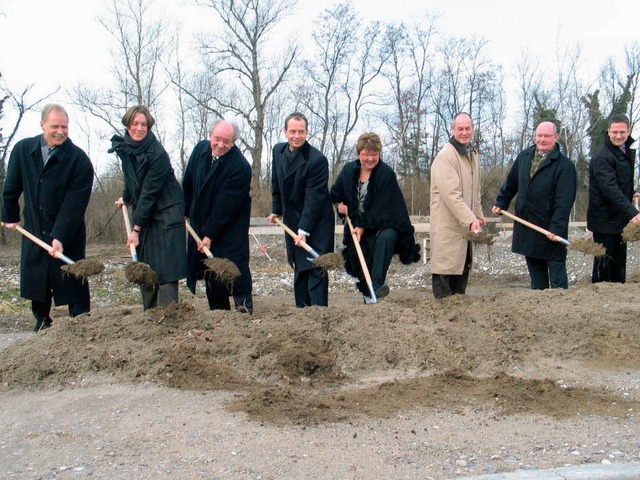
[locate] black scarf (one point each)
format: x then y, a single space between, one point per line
131 147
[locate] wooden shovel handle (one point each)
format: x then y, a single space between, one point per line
363 263
303 244
127 225
44 245
534 227
195 236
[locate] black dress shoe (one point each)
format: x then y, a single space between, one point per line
382 291
43 325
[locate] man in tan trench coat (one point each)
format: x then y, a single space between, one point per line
455 209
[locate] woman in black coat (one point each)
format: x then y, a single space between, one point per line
157 204
367 190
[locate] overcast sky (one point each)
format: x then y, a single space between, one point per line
52 43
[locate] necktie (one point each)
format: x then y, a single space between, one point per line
624 149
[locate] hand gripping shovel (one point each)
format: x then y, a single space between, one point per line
325 262
137 272
584 245
80 269
224 269
363 263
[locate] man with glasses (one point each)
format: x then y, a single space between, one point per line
544 180
610 200
218 205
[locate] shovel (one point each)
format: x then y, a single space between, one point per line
224 269
81 269
325 262
137 272
363 263
584 245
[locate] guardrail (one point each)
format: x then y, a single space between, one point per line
260 226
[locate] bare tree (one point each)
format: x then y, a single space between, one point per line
468 82
20 105
409 73
338 83
529 77
238 57
632 62
140 41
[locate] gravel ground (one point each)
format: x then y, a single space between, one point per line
102 427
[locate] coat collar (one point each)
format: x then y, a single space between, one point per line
300 159
60 152
461 149
551 156
631 153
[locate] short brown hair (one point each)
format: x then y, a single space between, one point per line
369 141
296 116
619 118
133 111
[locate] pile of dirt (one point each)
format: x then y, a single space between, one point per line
328 364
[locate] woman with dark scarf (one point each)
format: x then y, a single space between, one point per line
367 190
157 203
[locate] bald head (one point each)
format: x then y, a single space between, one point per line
222 136
462 128
546 137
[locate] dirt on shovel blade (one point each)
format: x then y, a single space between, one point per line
224 270
588 246
631 232
482 237
84 268
140 274
329 261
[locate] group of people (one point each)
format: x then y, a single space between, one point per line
544 182
366 191
55 179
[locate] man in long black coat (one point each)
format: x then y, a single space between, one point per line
300 195
216 187
545 181
610 200
55 178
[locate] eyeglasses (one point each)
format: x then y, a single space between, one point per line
225 141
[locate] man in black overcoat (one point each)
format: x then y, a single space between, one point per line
610 200
300 195
216 187
544 180
54 177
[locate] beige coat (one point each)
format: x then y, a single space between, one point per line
455 205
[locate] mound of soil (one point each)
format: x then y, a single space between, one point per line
503 378
316 364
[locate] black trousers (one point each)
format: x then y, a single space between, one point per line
159 295
545 273
613 266
42 310
383 250
447 285
311 287
218 297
